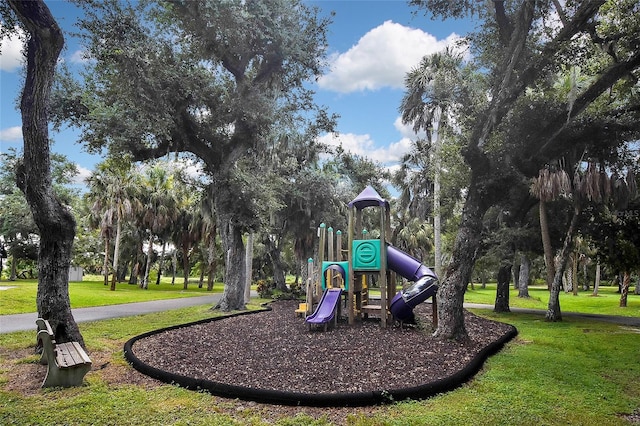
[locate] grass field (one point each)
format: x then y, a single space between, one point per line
573 372
21 297
606 303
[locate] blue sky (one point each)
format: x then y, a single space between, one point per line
372 44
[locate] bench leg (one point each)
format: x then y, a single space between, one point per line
65 377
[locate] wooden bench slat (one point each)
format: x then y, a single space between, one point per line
83 357
69 354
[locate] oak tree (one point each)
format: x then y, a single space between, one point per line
206 80
55 222
522 44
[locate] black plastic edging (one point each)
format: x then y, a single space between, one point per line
311 399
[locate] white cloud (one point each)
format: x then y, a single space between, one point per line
82 176
192 168
11 134
364 146
406 130
381 58
11 57
80 57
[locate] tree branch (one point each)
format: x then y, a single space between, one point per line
561 14
509 90
505 29
606 80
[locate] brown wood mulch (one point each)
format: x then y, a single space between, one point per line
275 351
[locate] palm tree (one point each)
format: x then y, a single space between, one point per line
159 206
209 234
551 184
589 186
187 232
416 238
413 206
112 188
413 179
433 90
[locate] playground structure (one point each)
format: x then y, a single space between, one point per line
367 259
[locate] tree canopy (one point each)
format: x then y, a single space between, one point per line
209 80
524 46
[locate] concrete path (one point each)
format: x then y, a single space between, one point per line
24 322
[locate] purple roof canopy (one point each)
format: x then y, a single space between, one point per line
369 197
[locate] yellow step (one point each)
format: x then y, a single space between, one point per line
302 308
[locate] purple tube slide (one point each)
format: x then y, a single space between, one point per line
425 282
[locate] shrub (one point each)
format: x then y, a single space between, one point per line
264 288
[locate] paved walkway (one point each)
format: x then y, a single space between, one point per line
24 322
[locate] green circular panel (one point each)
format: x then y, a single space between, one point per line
367 253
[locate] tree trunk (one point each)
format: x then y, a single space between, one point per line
553 310
275 255
546 244
637 290
133 278
566 276
450 295
574 273
523 287
14 273
437 219
161 262
624 291
55 222
212 260
303 268
234 275
516 274
135 270
174 266
145 279
249 268
105 264
186 265
116 251
122 272
596 284
502 290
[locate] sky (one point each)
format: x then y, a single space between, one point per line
372 45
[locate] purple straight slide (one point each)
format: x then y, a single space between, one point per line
326 309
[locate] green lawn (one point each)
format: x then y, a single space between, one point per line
572 372
606 303
21 297
92 292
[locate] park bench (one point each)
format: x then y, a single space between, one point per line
67 363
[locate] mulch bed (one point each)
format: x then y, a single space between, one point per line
274 353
